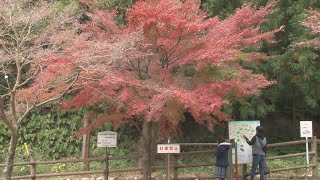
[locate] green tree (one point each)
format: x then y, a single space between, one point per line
296 70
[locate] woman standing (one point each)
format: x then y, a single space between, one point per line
222 158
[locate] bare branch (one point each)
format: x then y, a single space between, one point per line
16 34
6 49
3 116
30 78
28 32
4 87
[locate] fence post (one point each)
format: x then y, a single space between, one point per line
314 148
175 169
33 169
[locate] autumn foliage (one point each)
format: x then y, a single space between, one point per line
167 60
313 23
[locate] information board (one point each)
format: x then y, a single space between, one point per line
306 128
107 139
236 131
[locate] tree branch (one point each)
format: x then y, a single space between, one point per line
28 32
4 87
138 128
48 101
3 117
30 78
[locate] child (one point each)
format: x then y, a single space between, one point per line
222 158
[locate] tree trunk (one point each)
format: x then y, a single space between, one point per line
154 140
10 157
86 145
294 120
146 151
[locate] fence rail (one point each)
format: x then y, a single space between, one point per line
175 166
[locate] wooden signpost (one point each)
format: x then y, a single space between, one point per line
168 149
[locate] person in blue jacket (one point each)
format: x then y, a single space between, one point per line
222 158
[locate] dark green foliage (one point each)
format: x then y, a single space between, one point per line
193 132
48 133
221 8
296 94
120 6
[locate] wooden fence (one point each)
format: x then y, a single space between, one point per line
175 165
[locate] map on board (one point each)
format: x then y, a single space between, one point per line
236 131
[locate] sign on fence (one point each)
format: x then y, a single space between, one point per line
107 139
236 131
168 148
306 128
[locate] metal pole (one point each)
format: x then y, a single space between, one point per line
236 159
307 155
230 168
168 165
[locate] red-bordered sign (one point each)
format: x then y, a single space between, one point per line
168 148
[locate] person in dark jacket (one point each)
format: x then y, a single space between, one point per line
259 144
222 158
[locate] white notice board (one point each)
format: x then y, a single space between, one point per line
107 139
168 148
236 131
306 128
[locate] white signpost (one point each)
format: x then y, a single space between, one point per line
306 131
107 139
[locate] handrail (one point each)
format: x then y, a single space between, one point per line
292 168
195 152
289 155
197 144
289 143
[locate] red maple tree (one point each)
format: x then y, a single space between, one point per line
141 68
167 60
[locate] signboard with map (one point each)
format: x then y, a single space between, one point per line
236 131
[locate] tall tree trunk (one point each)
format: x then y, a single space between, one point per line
146 151
154 140
86 145
10 157
293 120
